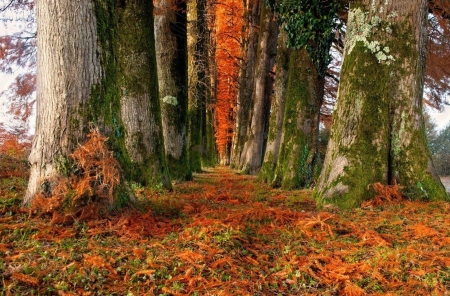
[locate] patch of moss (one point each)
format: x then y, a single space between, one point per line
372 121
295 167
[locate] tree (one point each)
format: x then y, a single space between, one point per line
257 130
171 51
277 109
310 27
246 79
439 142
299 149
201 133
108 78
229 25
378 130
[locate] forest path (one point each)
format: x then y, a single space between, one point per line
226 234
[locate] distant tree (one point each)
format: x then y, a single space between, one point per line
171 57
440 148
437 74
18 57
249 47
439 143
277 109
228 29
258 125
201 126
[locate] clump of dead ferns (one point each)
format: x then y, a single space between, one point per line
86 183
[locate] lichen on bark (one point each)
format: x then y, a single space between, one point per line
378 131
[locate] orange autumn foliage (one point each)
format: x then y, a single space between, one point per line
383 194
93 175
228 33
234 236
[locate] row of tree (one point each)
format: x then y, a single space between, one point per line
162 82
99 65
378 130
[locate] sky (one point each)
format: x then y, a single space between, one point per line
442 119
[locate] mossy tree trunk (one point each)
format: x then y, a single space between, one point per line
267 172
299 149
258 121
139 100
171 55
378 130
246 80
91 82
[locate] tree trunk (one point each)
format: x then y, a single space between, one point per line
246 80
113 89
198 64
378 130
274 141
66 75
261 98
171 52
299 149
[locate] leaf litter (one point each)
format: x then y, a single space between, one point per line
226 234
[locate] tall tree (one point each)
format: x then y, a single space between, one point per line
277 109
299 150
228 32
246 79
96 63
253 151
199 88
310 27
171 52
378 130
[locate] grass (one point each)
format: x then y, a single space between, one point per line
226 234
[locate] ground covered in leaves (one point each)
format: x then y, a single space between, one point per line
225 234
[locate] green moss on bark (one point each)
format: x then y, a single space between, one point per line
375 131
296 161
117 37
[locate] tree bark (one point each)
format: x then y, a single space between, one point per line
84 77
198 83
378 130
299 150
246 81
171 51
275 138
257 131
66 74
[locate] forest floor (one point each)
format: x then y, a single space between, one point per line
225 234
